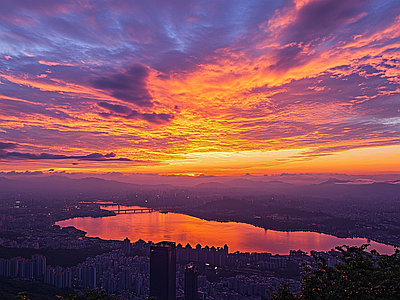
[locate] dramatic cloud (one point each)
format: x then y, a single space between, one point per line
319 19
200 87
130 86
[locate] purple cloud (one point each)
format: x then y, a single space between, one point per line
130 86
128 113
89 157
22 173
4 146
320 18
287 58
157 118
119 109
21 108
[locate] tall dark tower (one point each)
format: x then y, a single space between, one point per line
190 282
163 271
126 246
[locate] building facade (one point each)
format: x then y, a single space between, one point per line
163 271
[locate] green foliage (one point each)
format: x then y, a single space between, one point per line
17 289
360 275
284 293
22 296
92 295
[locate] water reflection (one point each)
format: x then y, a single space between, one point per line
184 229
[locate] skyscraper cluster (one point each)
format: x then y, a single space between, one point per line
58 277
23 268
212 256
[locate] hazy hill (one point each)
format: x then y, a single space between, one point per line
332 188
212 185
56 182
228 204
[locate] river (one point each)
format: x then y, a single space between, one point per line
180 228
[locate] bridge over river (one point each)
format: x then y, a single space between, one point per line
126 210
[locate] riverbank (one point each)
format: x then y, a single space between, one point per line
289 220
190 228
336 226
93 213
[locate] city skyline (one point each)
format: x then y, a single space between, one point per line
189 88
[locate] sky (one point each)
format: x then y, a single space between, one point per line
200 87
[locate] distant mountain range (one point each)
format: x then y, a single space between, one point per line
56 182
328 188
332 187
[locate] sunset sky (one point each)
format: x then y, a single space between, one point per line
200 87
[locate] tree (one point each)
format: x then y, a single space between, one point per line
359 275
22 296
92 295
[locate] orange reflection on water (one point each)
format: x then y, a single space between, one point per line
185 229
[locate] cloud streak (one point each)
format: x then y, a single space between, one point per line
89 157
4 146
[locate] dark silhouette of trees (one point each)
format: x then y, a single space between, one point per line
94 294
359 275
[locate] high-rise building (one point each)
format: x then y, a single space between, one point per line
58 277
26 269
163 271
126 279
39 265
88 276
190 282
126 246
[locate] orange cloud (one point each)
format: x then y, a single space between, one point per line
49 63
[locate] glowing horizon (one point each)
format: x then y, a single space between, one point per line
193 88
